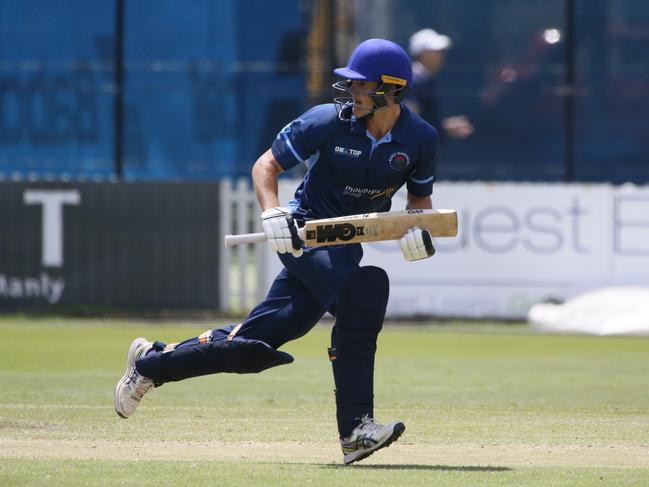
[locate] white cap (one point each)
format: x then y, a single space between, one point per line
428 40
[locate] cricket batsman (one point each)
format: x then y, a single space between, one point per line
359 151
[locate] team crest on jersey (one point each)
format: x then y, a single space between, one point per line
399 161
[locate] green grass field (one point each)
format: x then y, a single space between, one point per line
488 404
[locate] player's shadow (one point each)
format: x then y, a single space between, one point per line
441 468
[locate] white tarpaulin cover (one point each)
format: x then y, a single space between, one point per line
620 310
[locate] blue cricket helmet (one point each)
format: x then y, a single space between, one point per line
378 60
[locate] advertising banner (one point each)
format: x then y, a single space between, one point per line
518 244
144 246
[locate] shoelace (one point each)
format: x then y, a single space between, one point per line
370 426
365 437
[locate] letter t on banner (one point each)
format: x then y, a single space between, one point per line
52 220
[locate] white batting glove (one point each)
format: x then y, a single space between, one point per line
417 244
281 231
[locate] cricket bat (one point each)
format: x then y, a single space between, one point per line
367 227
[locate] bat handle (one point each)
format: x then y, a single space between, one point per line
248 238
244 238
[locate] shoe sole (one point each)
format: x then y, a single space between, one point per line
130 357
397 431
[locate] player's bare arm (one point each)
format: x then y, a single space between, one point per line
419 202
264 178
279 226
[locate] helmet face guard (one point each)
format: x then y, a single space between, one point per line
344 101
371 61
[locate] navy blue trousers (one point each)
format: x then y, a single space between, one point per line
300 295
304 290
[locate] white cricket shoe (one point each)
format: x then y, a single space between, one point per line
369 437
132 386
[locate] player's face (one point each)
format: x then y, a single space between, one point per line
362 103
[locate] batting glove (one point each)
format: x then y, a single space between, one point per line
281 231
417 244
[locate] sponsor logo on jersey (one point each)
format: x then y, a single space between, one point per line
346 151
399 161
334 232
369 193
386 193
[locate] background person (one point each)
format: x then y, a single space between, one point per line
428 49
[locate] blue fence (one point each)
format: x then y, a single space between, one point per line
556 90
208 83
56 87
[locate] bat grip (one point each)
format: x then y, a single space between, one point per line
244 238
248 238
